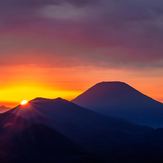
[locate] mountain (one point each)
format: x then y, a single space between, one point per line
77 123
56 130
26 141
120 100
45 127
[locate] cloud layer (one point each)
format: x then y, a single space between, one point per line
122 33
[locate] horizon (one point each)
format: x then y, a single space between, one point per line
15 103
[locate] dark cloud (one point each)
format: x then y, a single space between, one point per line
121 33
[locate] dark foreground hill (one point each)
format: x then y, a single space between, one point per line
23 141
59 131
120 100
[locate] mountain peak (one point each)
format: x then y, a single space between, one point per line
113 84
110 89
42 109
41 99
116 92
123 101
44 103
50 104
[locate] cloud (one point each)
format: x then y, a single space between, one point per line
109 33
65 11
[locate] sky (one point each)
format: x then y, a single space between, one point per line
51 48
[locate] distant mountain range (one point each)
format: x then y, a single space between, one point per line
120 100
83 126
60 131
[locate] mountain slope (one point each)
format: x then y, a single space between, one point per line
59 131
94 132
26 141
120 100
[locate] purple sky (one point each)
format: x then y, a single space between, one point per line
123 33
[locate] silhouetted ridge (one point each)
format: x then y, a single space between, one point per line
117 88
113 83
58 103
56 130
41 99
119 99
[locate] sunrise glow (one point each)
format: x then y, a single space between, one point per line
29 82
24 102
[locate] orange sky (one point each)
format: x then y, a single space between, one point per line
28 82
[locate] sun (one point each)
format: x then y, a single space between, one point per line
24 102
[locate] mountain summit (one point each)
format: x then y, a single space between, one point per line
120 100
